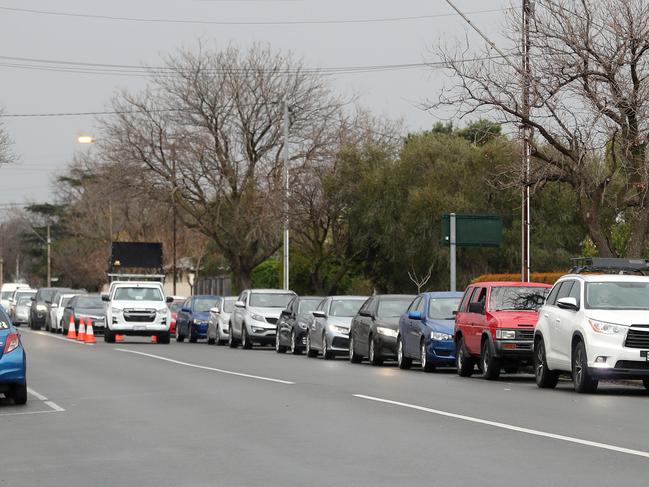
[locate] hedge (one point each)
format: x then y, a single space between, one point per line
545 277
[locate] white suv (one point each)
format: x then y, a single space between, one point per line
137 309
255 315
595 326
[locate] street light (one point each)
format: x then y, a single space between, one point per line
85 139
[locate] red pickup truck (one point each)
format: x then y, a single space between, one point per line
494 326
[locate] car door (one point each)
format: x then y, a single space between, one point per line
181 319
361 326
285 322
476 322
319 324
411 328
564 323
239 314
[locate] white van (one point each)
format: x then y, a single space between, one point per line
7 291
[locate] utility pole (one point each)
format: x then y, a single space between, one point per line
49 257
526 136
286 199
452 251
2 271
173 226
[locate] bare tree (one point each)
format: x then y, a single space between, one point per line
210 126
420 281
590 101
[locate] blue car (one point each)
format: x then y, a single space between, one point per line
13 362
426 331
193 318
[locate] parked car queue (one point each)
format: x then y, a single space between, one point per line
592 324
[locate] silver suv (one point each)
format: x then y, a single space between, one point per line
255 316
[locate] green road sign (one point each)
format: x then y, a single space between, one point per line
473 230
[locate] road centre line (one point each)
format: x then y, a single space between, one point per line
518 429
196 366
46 401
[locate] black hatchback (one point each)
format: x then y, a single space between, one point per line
88 307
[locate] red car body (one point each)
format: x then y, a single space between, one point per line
509 332
174 307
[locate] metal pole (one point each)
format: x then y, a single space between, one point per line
526 134
173 225
49 257
286 200
2 271
453 256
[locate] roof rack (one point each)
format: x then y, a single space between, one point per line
609 265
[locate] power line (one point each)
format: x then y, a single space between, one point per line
219 22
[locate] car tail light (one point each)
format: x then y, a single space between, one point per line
13 340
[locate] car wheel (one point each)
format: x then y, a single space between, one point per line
163 338
403 361
326 353
246 344
211 341
279 348
645 383
584 381
109 336
490 365
19 393
354 357
192 338
426 366
179 336
374 357
219 338
545 378
294 348
232 343
465 364
310 353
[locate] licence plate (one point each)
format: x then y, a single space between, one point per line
645 354
139 328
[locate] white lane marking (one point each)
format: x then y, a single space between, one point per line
46 401
57 337
29 412
196 366
495 424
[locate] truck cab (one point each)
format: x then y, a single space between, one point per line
137 309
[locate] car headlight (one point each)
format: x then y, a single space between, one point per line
200 322
258 330
41 307
117 310
607 328
388 332
162 312
302 325
339 329
257 317
438 335
505 334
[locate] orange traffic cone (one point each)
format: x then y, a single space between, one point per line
72 331
81 336
90 333
119 338
154 339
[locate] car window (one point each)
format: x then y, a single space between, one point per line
617 295
367 306
138 294
90 302
516 298
420 307
392 308
345 307
479 295
575 292
465 299
564 291
414 304
205 303
442 308
228 305
552 297
306 306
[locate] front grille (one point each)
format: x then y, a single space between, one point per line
339 342
524 334
443 353
637 339
271 320
139 315
632 364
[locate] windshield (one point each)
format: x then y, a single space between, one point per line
517 298
617 295
137 294
22 294
393 308
46 295
203 305
65 301
6 294
308 305
442 308
90 302
175 306
270 300
228 304
346 308
24 301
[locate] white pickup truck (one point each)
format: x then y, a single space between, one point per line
137 309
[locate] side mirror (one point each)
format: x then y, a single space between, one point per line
455 312
54 305
476 307
319 314
32 299
240 304
365 313
568 303
104 297
214 310
414 315
169 299
185 310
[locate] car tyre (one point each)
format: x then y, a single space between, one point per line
326 353
246 344
19 394
163 338
211 341
584 381
465 364
279 348
310 353
354 357
426 365
109 336
179 336
294 348
490 365
232 343
404 362
192 338
374 357
545 378
645 383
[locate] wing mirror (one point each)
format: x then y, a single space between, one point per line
365 313
169 299
215 310
568 303
319 314
414 315
240 304
104 297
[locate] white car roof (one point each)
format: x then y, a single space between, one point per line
137 284
607 277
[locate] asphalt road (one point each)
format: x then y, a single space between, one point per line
137 414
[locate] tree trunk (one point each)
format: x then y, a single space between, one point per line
638 237
589 209
242 279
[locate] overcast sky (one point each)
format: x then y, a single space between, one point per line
45 145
